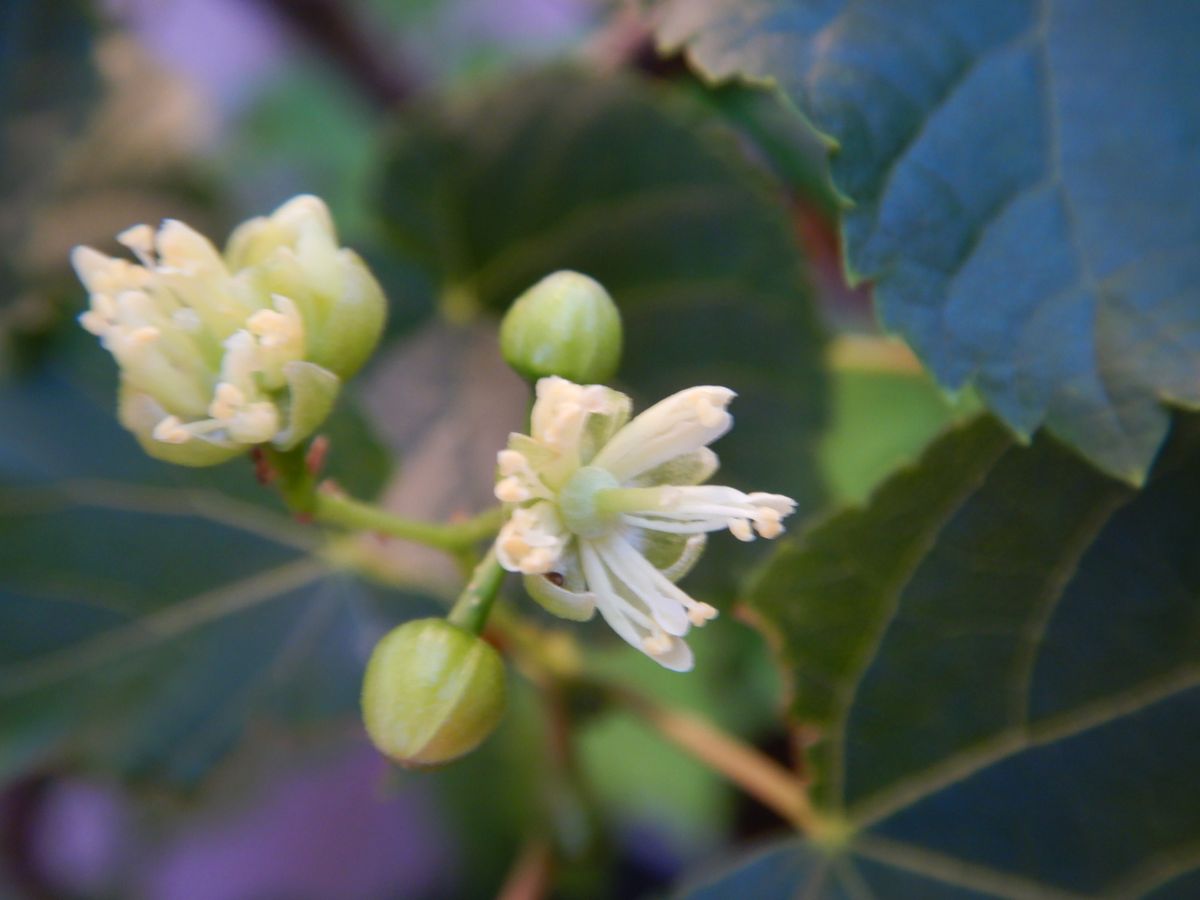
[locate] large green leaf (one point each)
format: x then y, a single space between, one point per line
1024 178
609 178
149 614
999 657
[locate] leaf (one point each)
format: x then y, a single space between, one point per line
1024 179
777 139
880 420
46 82
733 686
998 656
609 178
149 615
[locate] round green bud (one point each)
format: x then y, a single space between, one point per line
565 325
432 692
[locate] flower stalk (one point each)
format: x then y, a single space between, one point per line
471 610
298 485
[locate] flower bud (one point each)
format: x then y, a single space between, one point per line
432 692
565 325
220 352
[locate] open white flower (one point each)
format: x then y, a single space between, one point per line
610 513
223 351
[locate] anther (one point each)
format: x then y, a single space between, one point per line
171 431
510 490
227 399
146 334
740 528
139 239
510 462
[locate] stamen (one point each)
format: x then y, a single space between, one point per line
184 249
227 400
254 423
562 409
518 482
767 522
92 267
95 323
510 462
740 528
171 431
146 334
531 541
709 409
510 490
139 239
656 644
105 305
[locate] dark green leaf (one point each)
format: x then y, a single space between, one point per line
1024 178
46 82
999 657
606 177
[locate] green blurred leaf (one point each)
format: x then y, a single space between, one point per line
999 656
306 132
149 614
1025 179
879 421
609 178
734 686
47 80
776 138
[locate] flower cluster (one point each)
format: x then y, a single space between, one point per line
219 352
609 513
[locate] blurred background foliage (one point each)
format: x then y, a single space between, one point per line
180 661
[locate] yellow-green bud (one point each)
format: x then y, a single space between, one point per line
432 692
565 325
220 352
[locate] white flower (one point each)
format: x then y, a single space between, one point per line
218 352
610 513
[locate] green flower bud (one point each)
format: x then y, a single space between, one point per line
220 352
565 325
432 692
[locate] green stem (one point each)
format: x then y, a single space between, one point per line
298 485
475 602
356 515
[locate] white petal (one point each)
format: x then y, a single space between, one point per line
678 425
678 658
646 583
612 606
579 606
